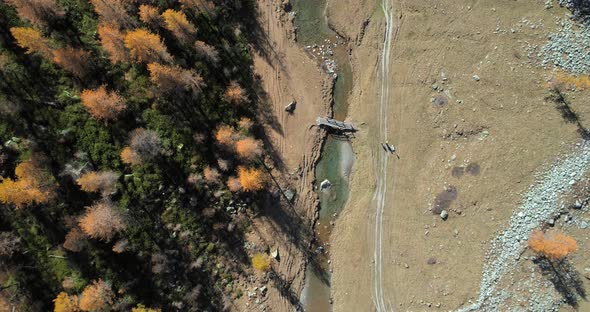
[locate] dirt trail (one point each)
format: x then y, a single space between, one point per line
380 196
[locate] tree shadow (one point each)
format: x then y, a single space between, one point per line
567 113
580 8
564 277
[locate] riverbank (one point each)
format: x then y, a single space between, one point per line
286 73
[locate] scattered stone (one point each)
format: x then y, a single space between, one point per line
275 254
289 195
578 204
406 266
444 215
431 261
476 77
263 290
291 106
583 225
326 184
551 222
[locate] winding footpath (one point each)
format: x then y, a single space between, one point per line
379 197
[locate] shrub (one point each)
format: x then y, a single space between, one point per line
261 262
553 245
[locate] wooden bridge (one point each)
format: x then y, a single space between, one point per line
335 124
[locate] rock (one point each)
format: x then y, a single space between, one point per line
326 184
476 77
289 195
583 225
275 254
444 214
551 222
263 290
431 261
291 106
578 204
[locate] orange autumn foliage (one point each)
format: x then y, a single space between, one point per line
211 175
579 82
261 262
103 181
149 14
553 245
198 5
206 51
101 104
146 47
113 41
245 123
32 40
174 78
75 240
225 135
248 148
65 303
235 94
101 221
112 12
142 308
96 296
233 184
38 12
73 60
177 23
251 179
31 186
130 157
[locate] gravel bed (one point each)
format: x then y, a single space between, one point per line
569 48
540 203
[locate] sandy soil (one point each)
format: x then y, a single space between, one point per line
286 73
501 123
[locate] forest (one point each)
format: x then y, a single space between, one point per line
130 135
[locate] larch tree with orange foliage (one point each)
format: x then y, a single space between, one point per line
235 94
149 15
198 5
130 157
174 79
147 47
142 308
211 175
248 148
553 245
32 40
245 124
177 23
32 185
38 12
206 51
225 135
112 12
76 61
103 181
233 184
65 303
251 179
75 240
102 104
102 221
113 41
96 296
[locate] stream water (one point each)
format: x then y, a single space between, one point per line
337 156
